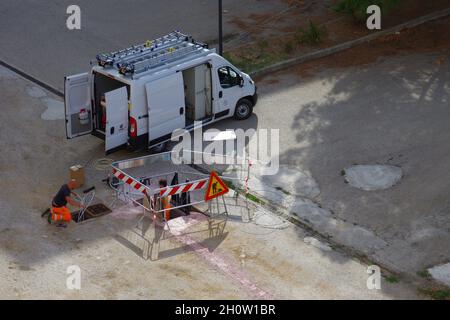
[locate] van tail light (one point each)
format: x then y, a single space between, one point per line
133 127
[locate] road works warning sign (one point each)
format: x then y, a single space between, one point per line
216 187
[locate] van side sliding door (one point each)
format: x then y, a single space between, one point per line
166 106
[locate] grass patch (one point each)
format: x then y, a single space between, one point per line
441 294
424 274
289 47
254 198
357 8
312 35
252 63
263 44
392 279
229 184
249 196
437 294
266 55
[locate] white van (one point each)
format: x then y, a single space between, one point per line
138 96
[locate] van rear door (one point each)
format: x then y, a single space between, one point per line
116 131
166 106
77 104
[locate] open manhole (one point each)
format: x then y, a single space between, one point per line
92 212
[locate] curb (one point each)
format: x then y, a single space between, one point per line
282 64
387 269
33 79
349 44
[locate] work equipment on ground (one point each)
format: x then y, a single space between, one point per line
136 179
136 183
86 200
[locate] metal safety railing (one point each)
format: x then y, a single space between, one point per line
138 178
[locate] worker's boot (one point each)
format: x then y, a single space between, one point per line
62 225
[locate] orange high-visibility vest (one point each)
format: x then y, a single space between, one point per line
165 204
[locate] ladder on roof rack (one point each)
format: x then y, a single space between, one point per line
109 59
153 53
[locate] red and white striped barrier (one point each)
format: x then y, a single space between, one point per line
184 187
128 180
169 191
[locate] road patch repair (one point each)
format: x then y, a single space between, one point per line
441 273
372 177
55 108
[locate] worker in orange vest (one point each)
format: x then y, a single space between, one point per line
165 201
59 211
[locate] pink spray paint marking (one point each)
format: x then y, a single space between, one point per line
176 227
126 212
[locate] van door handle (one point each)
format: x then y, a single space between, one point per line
181 111
111 131
220 94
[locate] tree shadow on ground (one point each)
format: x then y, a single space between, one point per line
392 112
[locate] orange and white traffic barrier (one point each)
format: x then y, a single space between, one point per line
184 187
128 180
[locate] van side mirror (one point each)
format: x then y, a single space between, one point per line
241 81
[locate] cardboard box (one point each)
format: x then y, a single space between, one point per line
77 173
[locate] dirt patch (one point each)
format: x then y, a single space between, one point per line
272 37
426 38
410 9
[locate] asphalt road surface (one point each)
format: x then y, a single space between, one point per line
35 39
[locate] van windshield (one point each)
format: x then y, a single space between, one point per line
228 77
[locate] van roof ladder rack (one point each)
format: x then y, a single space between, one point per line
144 57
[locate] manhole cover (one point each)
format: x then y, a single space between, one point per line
93 211
97 210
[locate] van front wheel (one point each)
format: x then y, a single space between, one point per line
244 109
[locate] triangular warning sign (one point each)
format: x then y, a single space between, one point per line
216 187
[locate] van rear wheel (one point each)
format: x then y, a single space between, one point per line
244 109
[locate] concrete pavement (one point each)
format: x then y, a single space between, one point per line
268 253
392 112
